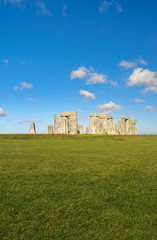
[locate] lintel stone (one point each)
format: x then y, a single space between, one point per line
68 114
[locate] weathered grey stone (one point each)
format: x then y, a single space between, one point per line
124 117
55 123
32 129
68 114
67 124
80 129
73 124
127 126
111 129
50 129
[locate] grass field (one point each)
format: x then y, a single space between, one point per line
78 187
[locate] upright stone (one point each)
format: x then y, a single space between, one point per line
87 130
73 124
32 129
55 123
50 129
80 129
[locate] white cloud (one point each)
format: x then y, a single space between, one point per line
87 95
80 73
108 107
150 109
23 85
89 76
64 10
144 77
96 78
6 61
41 8
3 113
104 5
137 100
132 64
113 83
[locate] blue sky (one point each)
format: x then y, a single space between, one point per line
84 56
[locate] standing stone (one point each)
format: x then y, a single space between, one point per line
112 127
32 128
87 131
134 128
73 125
80 129
55 123
50 129
92 125
103 118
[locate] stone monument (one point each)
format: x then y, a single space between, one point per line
66 124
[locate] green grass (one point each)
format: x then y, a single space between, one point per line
78 187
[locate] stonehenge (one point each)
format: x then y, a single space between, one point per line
99 123
66 124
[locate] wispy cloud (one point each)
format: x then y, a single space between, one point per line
33 100
113 83
64 10
137 100
108 107
150 109
80 110
6 61
104 6
127 64
132 64
89 75
128 113
87 95
29 121
41 8
23 85
152 89
19 3
119 7
3 113
21 62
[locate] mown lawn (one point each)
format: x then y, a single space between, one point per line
78 187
